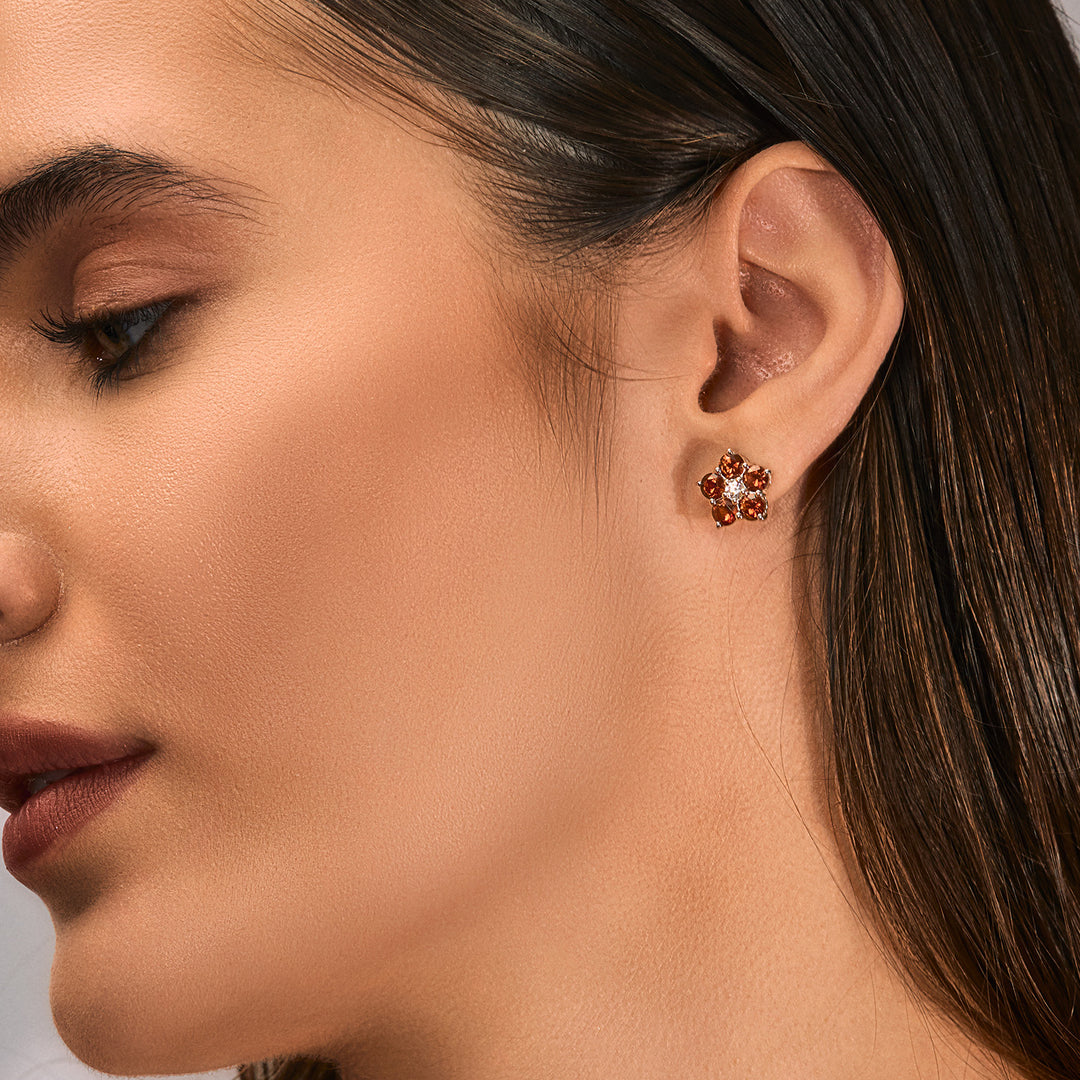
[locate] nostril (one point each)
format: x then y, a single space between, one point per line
29 585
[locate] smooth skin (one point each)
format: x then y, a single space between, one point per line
459 774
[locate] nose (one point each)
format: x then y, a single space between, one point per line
29 585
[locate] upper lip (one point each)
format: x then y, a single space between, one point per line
30 747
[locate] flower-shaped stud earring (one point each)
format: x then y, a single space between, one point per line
736 490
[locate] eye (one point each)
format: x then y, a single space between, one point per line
106 344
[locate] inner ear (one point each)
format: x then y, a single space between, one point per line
810 261
786 325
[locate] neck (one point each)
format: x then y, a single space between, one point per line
697 922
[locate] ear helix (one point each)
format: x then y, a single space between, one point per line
736 490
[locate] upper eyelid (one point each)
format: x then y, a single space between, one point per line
113 311
57 327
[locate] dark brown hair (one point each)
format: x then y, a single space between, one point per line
947 544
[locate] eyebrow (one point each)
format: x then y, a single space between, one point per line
102 178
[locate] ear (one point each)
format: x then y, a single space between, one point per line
769 323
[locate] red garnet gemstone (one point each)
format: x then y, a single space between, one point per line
724 512
753 506
711 486
756 477
731 464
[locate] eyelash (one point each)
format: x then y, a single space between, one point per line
66 330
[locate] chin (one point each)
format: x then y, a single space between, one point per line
127 1033
138 1006
140 987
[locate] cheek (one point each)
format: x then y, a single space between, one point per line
343 587
335 564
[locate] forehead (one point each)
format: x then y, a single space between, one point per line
231 91
182 77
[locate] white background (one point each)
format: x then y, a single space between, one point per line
30 1049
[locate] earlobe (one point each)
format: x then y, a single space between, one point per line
806 304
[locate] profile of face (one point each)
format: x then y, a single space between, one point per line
320 549
309 550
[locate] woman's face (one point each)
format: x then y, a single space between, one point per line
319 551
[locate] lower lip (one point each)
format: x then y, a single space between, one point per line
60 808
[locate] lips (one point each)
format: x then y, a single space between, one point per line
30 747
